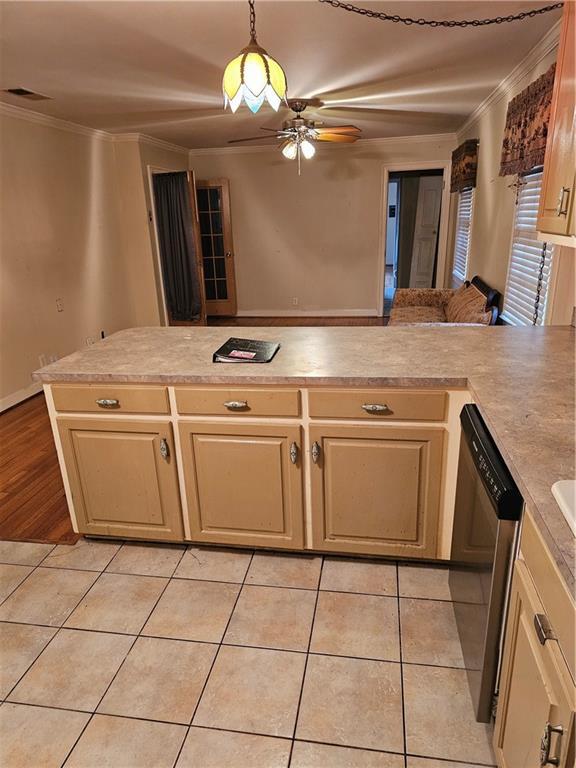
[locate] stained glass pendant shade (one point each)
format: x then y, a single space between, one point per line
253 76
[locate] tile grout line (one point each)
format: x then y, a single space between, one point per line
168 580
214 660
306 663
34 568
401 665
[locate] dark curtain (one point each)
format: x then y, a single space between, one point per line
408 204
464 166
177 247
526 128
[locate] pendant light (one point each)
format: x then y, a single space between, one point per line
253 76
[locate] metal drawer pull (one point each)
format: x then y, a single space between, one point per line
546 743
164 449
106 402
543 628
293 453
376 408
236 405
562 207
315 452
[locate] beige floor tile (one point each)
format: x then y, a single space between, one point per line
84 555
431 582
73 671
352 702
20 644
11 576
340 575
117 742
252 690
424 762
429 633
214 564
307 755
272 617
47 596
193 610
356 625
146 559
118 603
440 718
160 680
278 570
37 737
205 748
23 552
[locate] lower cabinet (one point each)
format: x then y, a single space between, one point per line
123 477
534 721
376 489
244 483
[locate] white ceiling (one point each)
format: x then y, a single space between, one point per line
156 67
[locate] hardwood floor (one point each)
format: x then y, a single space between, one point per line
32 502
277 322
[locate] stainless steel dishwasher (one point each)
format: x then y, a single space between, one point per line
487 510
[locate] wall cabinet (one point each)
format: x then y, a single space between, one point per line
123 477
244 483
556 215
535 720
376 489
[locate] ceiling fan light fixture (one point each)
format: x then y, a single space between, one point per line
253 77
290 150
308 149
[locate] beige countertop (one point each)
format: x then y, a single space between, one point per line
522 379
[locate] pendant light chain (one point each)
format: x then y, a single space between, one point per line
252 21
539 284
381 16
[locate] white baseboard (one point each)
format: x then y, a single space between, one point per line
307 313
19 396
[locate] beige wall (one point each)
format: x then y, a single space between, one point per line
317 236
494 201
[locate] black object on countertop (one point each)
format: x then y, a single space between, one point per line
246 351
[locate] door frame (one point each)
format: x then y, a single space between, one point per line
420 165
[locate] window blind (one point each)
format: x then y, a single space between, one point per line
462 239
526 258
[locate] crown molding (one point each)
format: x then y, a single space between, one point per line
361 143
506 86
143 138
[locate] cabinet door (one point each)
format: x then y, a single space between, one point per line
376 489
243 483
123 477
535 689
556 214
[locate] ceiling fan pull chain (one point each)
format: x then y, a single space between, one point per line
381 16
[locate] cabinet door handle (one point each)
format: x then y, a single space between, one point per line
562 207
376 408
294 453
315 452
236 405
108 402
543 628
164 449
546 744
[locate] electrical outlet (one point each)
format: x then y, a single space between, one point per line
295 301
90 340
42 360
60 305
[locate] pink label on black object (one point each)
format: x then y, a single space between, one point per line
242 353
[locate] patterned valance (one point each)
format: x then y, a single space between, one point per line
464 165
526 128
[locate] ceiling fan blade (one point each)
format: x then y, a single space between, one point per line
337 137
252 138
338 129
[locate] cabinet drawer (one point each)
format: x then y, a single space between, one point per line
381 404
88 398
223 401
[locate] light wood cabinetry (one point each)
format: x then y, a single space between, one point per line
378 404
376 489
123 477
556 215
110 398
244 483
226 401
535 718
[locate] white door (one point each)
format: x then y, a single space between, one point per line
426 231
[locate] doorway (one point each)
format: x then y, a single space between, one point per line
413 215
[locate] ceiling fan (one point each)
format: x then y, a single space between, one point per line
298 134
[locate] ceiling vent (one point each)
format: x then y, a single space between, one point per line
26 94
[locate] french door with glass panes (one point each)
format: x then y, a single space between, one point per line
213 198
